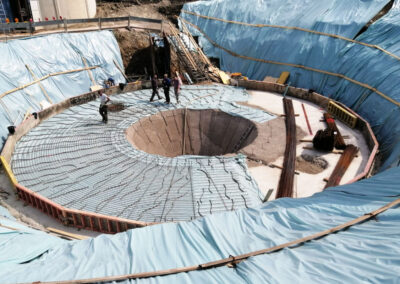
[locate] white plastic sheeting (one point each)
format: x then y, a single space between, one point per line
50 54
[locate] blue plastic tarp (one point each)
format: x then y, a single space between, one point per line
19 243
367 252
290 46
45 55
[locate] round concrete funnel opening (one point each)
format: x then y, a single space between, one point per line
206 132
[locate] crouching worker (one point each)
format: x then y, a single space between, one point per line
104 99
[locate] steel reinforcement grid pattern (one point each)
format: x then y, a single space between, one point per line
80 163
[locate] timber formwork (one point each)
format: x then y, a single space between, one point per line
285 187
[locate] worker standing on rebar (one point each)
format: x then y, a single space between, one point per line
166 85
104 99
154 86
177 87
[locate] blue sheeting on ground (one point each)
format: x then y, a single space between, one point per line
51 54
20 244
366 252
289 46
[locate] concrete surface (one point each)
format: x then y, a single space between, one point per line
305 184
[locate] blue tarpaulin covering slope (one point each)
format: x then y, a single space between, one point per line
367 252
289 42
20 244
45 55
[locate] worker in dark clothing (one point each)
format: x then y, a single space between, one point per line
154 86
104 99
166 84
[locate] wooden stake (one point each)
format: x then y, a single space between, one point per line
69 235
279 167
40 84
44 78
184 131
120 69
88 70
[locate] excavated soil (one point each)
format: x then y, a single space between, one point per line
134 44
311 164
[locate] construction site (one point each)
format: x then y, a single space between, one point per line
271 153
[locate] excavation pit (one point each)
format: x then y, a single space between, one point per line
207 132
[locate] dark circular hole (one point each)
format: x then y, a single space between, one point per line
207 133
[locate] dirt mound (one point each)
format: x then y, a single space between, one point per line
311 164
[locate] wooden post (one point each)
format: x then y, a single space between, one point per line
88 70
120 69
184 132
153 61
40 84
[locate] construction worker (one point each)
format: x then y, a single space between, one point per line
154 86
109 82
104 99
177 87
166 84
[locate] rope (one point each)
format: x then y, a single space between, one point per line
296 66
295 28
235 259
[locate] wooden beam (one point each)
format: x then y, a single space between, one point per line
40 84
69 235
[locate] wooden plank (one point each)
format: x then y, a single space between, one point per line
44 78
286 181
70 235
280 167
120 69
342 166
40 84
88 70
307 121
152 56
8 171
283 77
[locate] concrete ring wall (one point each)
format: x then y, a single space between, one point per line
108 224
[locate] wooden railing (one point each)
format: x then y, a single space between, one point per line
12 30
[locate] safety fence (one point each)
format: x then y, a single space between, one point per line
73 25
